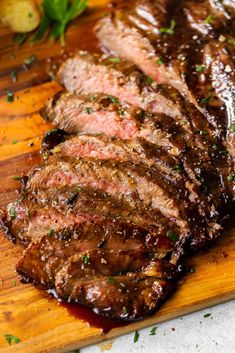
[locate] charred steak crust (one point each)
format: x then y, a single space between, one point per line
139 169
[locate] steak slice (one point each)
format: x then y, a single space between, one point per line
88 254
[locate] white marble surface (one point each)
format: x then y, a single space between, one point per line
190 334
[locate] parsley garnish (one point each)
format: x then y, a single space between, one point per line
160 61
232 41
50 232
121 111
205 100
20 38
233 127
149 80
30 60
209 19
111 280
92 98
200 68
14 76
115 60
10 97
136 336
86 259
203 132
231 177
178 168
172 235
89 110
153 331
114 100
207 315
56 15
11 339
12 213
16 177
14 142
169 30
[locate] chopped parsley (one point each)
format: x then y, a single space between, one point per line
125 310
11 339
121 111
89 110
76 351
114 100
16 177
233 127
30 60
13 283
136 336
200 68
208 19
10 97
149 80
169 30
73 195
231 177
12 212
20 38
14 142
203 132
92 97
205 100
14 76
207 315
160 61
232 41
178 168
172 235
86 259
192 270
50 232
30 15
115 60
111 280
153 331
215 147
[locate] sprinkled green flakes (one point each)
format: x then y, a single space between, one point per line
153 331
172 235
111 280
115 60
169 30
136 336
11 339
86 259
12 213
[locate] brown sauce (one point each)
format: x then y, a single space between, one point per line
93 319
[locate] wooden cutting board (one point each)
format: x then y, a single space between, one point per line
41 323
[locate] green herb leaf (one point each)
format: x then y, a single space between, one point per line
111 280
136 336
233 127
86 259
172 235
115 60
92 97
153 331
169 30
50 232
204 101
11 339
207 315
160 61
76 351
13 283
121 111
149 80
10 97
76 9
44 25
89 110
30 60
114 100
14 76
203 132
200 68
231 177
16 177
232 41
12 213
14 142
20 38
178 168
55 9
209 19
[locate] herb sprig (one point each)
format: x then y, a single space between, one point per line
56 16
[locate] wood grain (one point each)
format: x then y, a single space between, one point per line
26 312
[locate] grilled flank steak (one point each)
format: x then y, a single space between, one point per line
140 168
